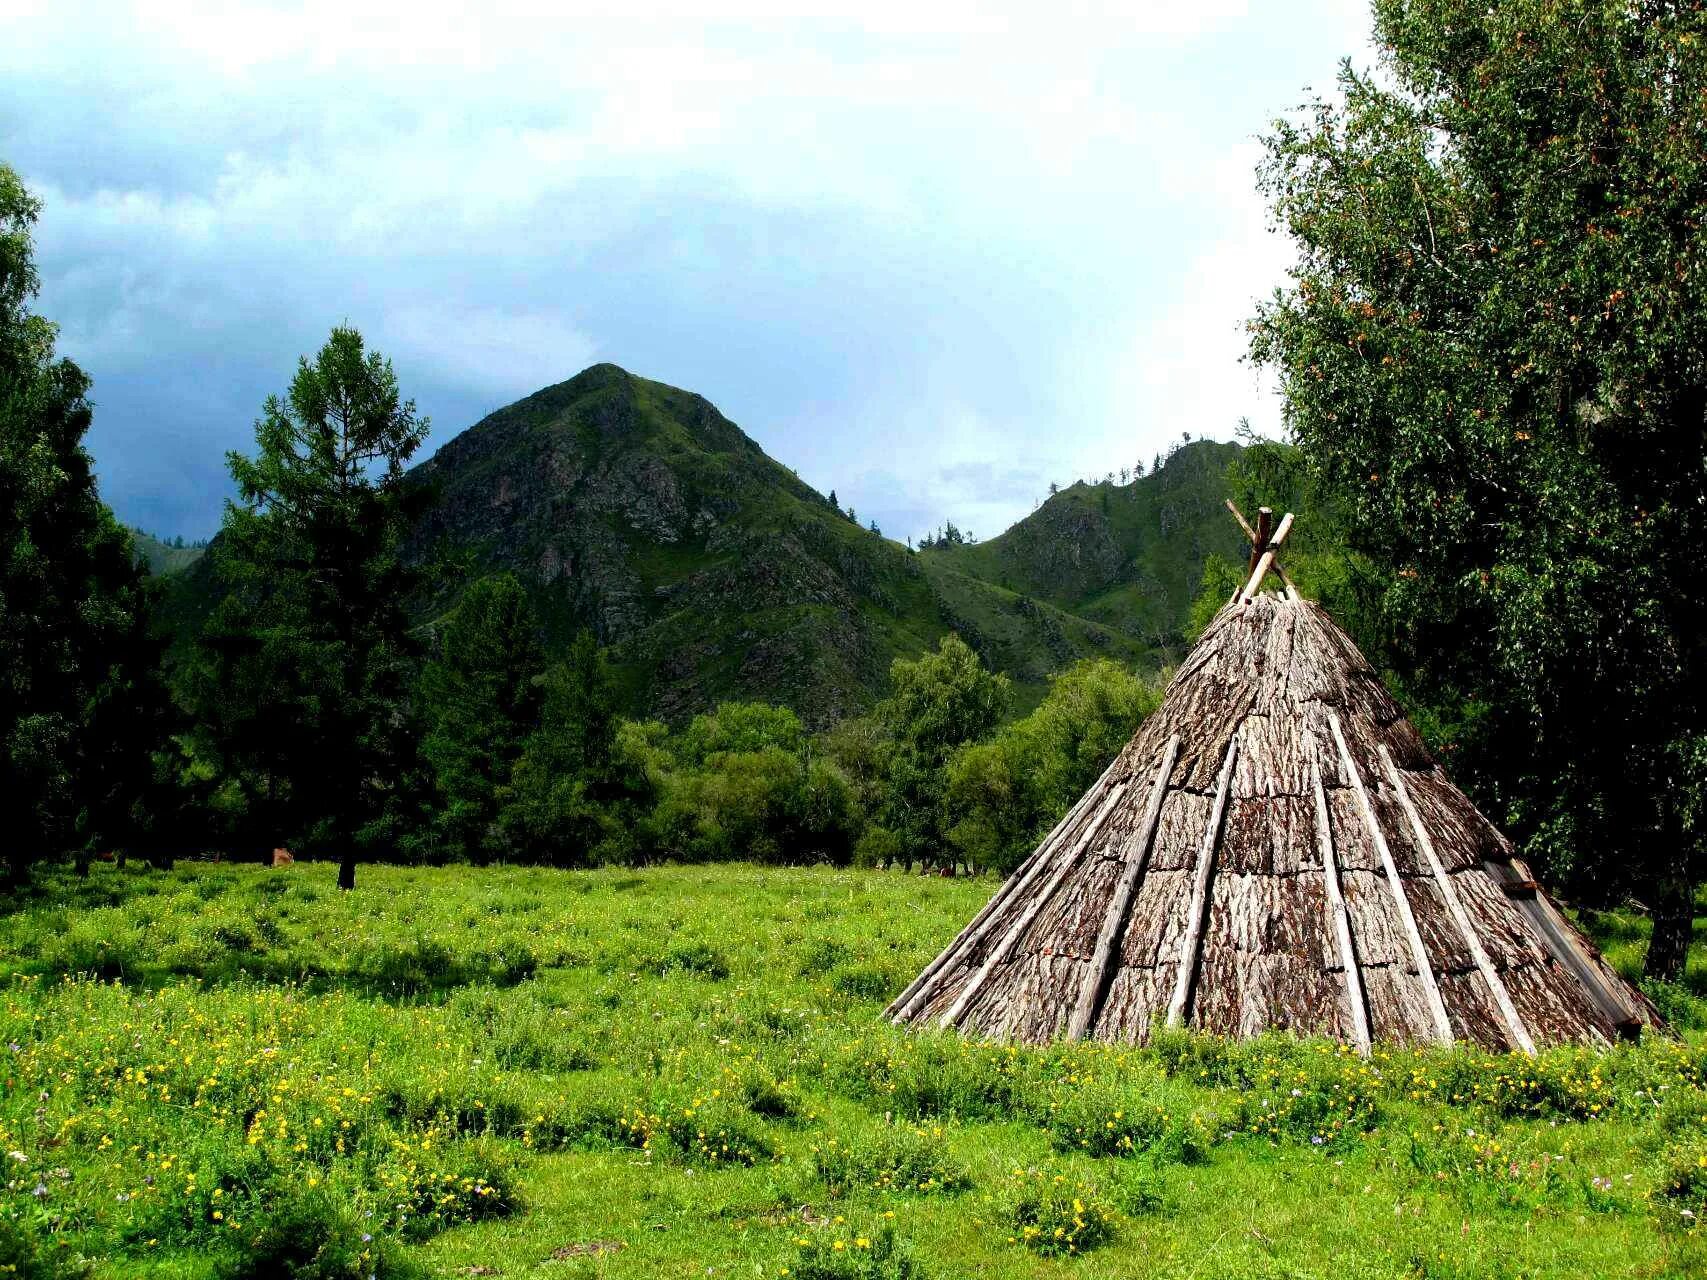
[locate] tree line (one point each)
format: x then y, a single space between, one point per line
1490 352
311 712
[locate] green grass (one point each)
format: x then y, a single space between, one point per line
681 1071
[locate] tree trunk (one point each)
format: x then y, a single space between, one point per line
347 872
1674 922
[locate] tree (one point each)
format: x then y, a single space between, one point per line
575 791
310 662
940 701
1003 794
481 697
73 611
1492 352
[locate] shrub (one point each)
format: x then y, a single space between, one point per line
1052 1214
767 1096
905 1159
837 1253
696 958
706 1130
22 1254
1097 1118
919 1077
435 1188
865 982
311 1236
1682 1187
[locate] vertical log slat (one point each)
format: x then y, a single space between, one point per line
975 983
1341 923
1114 921
1199 906
1502 998
1419 953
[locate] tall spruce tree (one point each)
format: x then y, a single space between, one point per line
73 612
309 661
1494 353
481 695
572 790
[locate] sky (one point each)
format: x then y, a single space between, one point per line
931 256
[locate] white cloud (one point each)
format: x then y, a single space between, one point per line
1021 236
495 351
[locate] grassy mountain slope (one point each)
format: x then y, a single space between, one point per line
1127 558
711 571
164 558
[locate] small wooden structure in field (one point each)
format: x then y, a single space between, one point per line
1275 849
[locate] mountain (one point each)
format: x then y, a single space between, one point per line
1127 557
711 571
165 557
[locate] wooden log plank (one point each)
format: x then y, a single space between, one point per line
1502 998
1567 946
976 983
1243 523
1114 922
1266 559
1199 904
1260 540
1419 955
1340 922
966 941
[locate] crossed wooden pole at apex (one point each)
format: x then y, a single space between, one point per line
1265 545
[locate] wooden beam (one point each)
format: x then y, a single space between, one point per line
1267 558
1419 953
976 982
907 1003
1243 523
1120 903
1568 948
1198 908
1338 915
1259 543
1496 985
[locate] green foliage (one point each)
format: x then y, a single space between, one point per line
744 780
669 1046
908 1160
312 1236
1002 795
22 1254
1490 357
838 1253
576 784
307 665
81 710
939 702
481 694
744 727
1054 1214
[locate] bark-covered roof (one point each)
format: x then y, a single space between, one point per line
1276 849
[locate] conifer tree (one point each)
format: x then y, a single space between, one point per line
310 660
73 617
481 695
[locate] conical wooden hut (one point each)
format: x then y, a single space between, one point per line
1275 849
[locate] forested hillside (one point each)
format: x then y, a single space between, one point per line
710 571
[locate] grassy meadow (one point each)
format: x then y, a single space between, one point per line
229 1071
